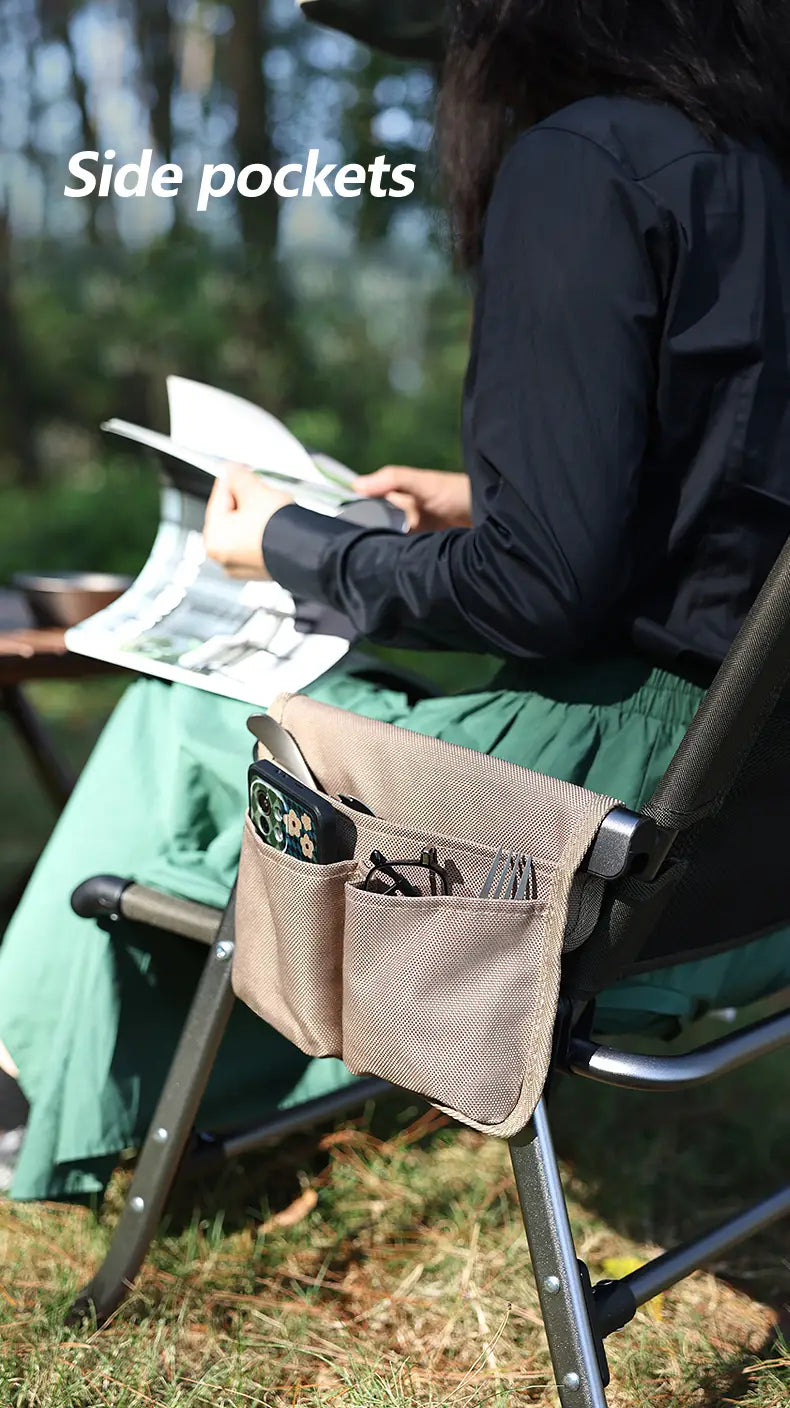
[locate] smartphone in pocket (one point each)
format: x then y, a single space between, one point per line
295 820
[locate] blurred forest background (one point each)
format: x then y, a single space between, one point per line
340 316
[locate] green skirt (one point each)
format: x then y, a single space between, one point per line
91 1017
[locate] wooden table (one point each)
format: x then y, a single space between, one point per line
30 653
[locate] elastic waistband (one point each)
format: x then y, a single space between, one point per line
626 683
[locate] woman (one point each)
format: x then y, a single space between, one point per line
615 173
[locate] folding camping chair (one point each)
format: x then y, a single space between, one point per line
668 896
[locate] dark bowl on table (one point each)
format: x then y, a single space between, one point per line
64 599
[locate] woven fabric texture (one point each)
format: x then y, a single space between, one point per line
288 961
453 997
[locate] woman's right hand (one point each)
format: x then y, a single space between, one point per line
430 498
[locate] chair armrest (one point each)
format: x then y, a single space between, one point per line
110 896
636 1071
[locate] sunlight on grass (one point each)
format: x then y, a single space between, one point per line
405 1283
384 1265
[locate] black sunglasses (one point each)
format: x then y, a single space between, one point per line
385 877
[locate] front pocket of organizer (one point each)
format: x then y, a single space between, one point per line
467 864
288 959
451 997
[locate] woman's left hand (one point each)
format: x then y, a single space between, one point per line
238 511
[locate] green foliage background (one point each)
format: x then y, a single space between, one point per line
345 322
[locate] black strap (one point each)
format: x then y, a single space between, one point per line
630 916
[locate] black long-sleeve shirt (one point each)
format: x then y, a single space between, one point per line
626 410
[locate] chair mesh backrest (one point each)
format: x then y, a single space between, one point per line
736 879
727 795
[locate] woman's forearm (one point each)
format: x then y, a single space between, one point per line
462 589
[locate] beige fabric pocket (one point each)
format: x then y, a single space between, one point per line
455 996
288 960
452 997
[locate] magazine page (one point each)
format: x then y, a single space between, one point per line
183 619
321 491
226 426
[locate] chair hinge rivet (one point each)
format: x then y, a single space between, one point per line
572 1382
137 1204
161 1135
224 951
551 1285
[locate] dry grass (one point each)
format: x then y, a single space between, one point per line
389 1268
400 1277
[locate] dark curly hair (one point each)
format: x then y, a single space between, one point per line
724 63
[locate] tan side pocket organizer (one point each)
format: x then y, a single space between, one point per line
288 962
447 997
452 996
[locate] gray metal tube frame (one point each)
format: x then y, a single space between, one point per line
638 1072
168 1134
566 1317
187 918
213 1154
673 1266
632 1071
162 1155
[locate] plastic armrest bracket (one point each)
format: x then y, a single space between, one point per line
628 844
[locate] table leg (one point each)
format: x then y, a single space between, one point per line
55 774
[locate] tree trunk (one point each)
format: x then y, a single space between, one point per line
54 21
156 43
258 216
18 397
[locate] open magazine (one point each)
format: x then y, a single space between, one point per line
182 618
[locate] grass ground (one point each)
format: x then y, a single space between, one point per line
384 1263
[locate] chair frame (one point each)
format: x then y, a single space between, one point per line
172 1148
577 1315
629 849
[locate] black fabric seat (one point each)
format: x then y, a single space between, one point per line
736 882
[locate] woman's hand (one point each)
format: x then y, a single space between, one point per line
429 498
238 510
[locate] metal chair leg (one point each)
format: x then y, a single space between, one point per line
565 1300
168 1133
